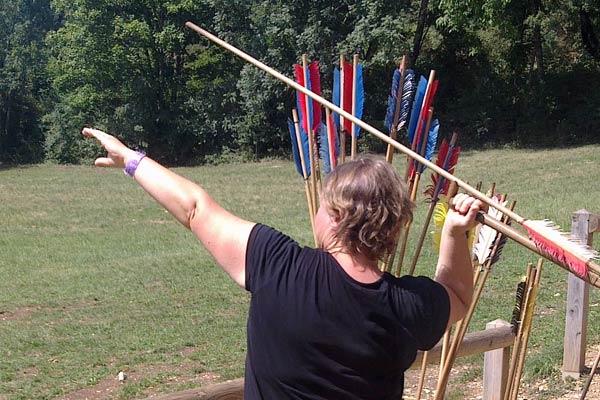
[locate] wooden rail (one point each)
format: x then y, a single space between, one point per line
498 336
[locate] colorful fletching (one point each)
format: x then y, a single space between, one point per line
347 85
416 108
431 141
392 100
336 96
314 84
407 94
296 148
329 145
408 90
447 159
359 87
487 237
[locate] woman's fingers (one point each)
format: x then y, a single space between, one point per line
105 162
116 150
94 133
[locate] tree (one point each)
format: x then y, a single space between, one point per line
131 67
23 81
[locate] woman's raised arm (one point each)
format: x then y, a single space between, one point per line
223 234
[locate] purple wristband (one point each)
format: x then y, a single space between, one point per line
133 163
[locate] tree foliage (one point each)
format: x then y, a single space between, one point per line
517 72
23 84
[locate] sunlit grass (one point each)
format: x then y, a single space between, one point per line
97 278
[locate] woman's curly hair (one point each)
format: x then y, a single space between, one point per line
370 204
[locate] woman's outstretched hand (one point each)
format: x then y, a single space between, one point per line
118 153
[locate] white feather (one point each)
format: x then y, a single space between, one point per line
486 237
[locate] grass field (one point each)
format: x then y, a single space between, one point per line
97 278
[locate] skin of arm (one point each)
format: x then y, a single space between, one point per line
454 270
223 234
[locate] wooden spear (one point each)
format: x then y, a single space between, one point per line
352 129
434 200
342 135
309 132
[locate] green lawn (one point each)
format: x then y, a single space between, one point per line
97 278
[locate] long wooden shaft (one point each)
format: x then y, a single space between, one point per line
309 197
414 186
354 94
309 132
588 382
518 338
463 324
342 134
434 200
422 375
330 142
527 328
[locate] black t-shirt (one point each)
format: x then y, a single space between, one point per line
316 333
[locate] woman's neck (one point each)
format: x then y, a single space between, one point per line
357 267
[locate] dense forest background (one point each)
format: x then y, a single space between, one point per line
512 72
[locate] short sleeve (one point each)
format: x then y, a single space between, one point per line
425 307
269 253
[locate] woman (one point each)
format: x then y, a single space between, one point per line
324 323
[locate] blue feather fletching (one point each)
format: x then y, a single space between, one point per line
416 108
407 93
431 141
295 149
324 147
392 99
336 95
360 96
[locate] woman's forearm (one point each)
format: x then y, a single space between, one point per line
176 194
454 271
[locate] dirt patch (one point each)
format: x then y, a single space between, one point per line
17 314
167 375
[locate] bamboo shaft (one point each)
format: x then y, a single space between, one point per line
330 142
311 210
527 329
342 135
311 142
588 382
422 376
434 201
352 135
518 338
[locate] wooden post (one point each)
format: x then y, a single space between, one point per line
495 366
584 224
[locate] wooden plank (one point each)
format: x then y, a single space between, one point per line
474 343
230 390
495 367
577 305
